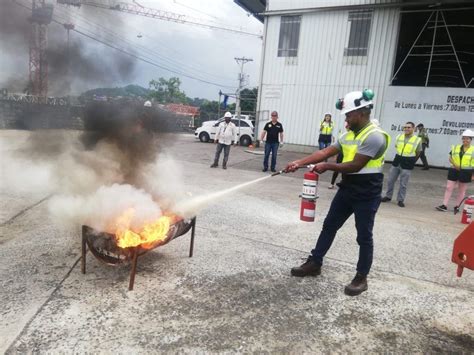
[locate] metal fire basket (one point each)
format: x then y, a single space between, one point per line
104 246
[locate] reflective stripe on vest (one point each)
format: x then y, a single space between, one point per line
350 144
408 149
467 161
326 128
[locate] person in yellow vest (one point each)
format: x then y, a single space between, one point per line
325 131
461 158
363 148
408 148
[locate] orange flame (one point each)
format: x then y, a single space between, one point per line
148 234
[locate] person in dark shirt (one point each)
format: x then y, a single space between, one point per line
273 131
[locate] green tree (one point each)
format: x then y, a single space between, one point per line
248 101
167 91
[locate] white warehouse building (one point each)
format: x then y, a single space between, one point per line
417 57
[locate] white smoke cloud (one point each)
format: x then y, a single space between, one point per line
88 185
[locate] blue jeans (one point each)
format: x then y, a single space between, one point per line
342 207
273 148
323 145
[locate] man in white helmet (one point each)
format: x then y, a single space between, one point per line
363 148
225 137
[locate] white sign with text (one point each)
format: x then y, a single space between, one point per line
445 113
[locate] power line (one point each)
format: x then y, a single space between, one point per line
123 51
152 52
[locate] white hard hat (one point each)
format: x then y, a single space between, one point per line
468 133
227 115
355 100
147 104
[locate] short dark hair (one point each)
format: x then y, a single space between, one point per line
411 123
420 125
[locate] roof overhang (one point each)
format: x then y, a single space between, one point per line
405 4
254 7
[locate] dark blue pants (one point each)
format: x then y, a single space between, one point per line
273 148
342 207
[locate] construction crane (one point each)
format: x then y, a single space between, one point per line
41 16
137 9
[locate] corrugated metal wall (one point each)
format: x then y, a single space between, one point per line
302 89
274 5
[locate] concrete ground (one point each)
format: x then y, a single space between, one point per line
236 293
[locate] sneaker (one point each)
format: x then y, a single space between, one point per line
330 187
401 204
456 210
357 285
274 171
425 168
214 165
264 170
442 208
224 167
386 199
309 268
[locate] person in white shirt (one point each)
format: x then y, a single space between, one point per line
225 137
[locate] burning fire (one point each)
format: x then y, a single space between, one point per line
148 234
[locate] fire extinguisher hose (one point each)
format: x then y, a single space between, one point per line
285 172
464 199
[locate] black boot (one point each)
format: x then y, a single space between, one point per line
357 285
309 268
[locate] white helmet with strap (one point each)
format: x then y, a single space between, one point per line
355 100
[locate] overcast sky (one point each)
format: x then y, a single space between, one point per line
188 50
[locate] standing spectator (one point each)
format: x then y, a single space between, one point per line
225 137
425 143
272 130
408 149
461 158
325 131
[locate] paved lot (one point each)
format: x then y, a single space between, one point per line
236 294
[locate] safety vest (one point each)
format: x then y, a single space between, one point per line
467 161
326 128
350 143
408 149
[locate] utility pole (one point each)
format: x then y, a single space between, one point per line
241 62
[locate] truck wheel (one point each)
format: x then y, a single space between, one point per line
204 137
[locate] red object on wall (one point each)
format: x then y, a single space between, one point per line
309 196
468 210
463 250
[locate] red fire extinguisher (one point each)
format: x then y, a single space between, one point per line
468 210
309 196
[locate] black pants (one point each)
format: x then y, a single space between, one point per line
342 207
